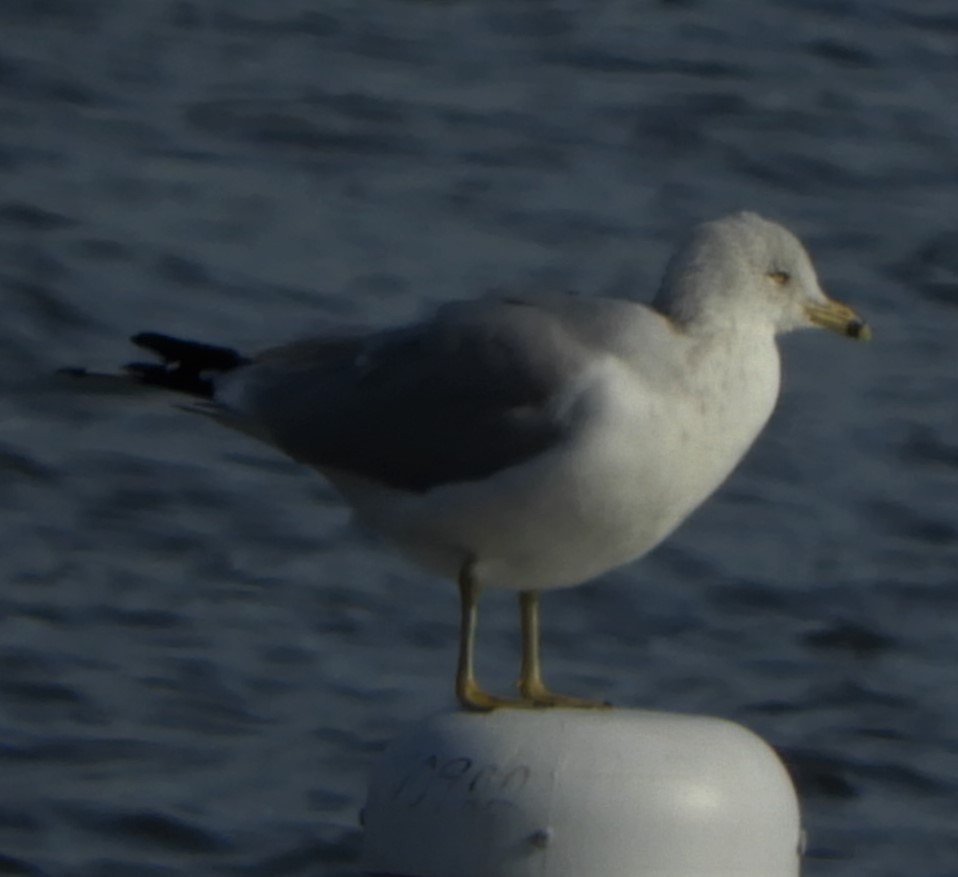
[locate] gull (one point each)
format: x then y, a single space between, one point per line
531 442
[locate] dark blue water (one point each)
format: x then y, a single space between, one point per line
200 658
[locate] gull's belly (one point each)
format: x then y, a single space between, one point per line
608 499
555 522
580 518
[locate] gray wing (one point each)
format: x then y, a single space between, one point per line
476 389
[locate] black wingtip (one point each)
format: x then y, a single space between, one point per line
192 354
187 365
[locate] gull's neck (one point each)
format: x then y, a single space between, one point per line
696 316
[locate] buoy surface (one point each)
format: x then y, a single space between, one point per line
571 793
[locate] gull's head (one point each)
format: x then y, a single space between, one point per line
744 270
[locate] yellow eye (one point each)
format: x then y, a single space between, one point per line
780 277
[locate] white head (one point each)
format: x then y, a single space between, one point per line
745 270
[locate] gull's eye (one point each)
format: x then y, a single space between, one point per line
780 277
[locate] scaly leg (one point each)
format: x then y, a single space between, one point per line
530 684
470 695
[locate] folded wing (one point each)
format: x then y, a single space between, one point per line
481 387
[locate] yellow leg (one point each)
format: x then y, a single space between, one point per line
470 695
530 684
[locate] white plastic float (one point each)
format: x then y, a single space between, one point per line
569 793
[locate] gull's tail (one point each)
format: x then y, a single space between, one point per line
187 366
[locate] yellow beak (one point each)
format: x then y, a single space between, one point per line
839 318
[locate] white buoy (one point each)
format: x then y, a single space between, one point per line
572 793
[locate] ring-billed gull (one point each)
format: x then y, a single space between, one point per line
532 443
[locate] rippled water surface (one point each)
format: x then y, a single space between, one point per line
199 657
